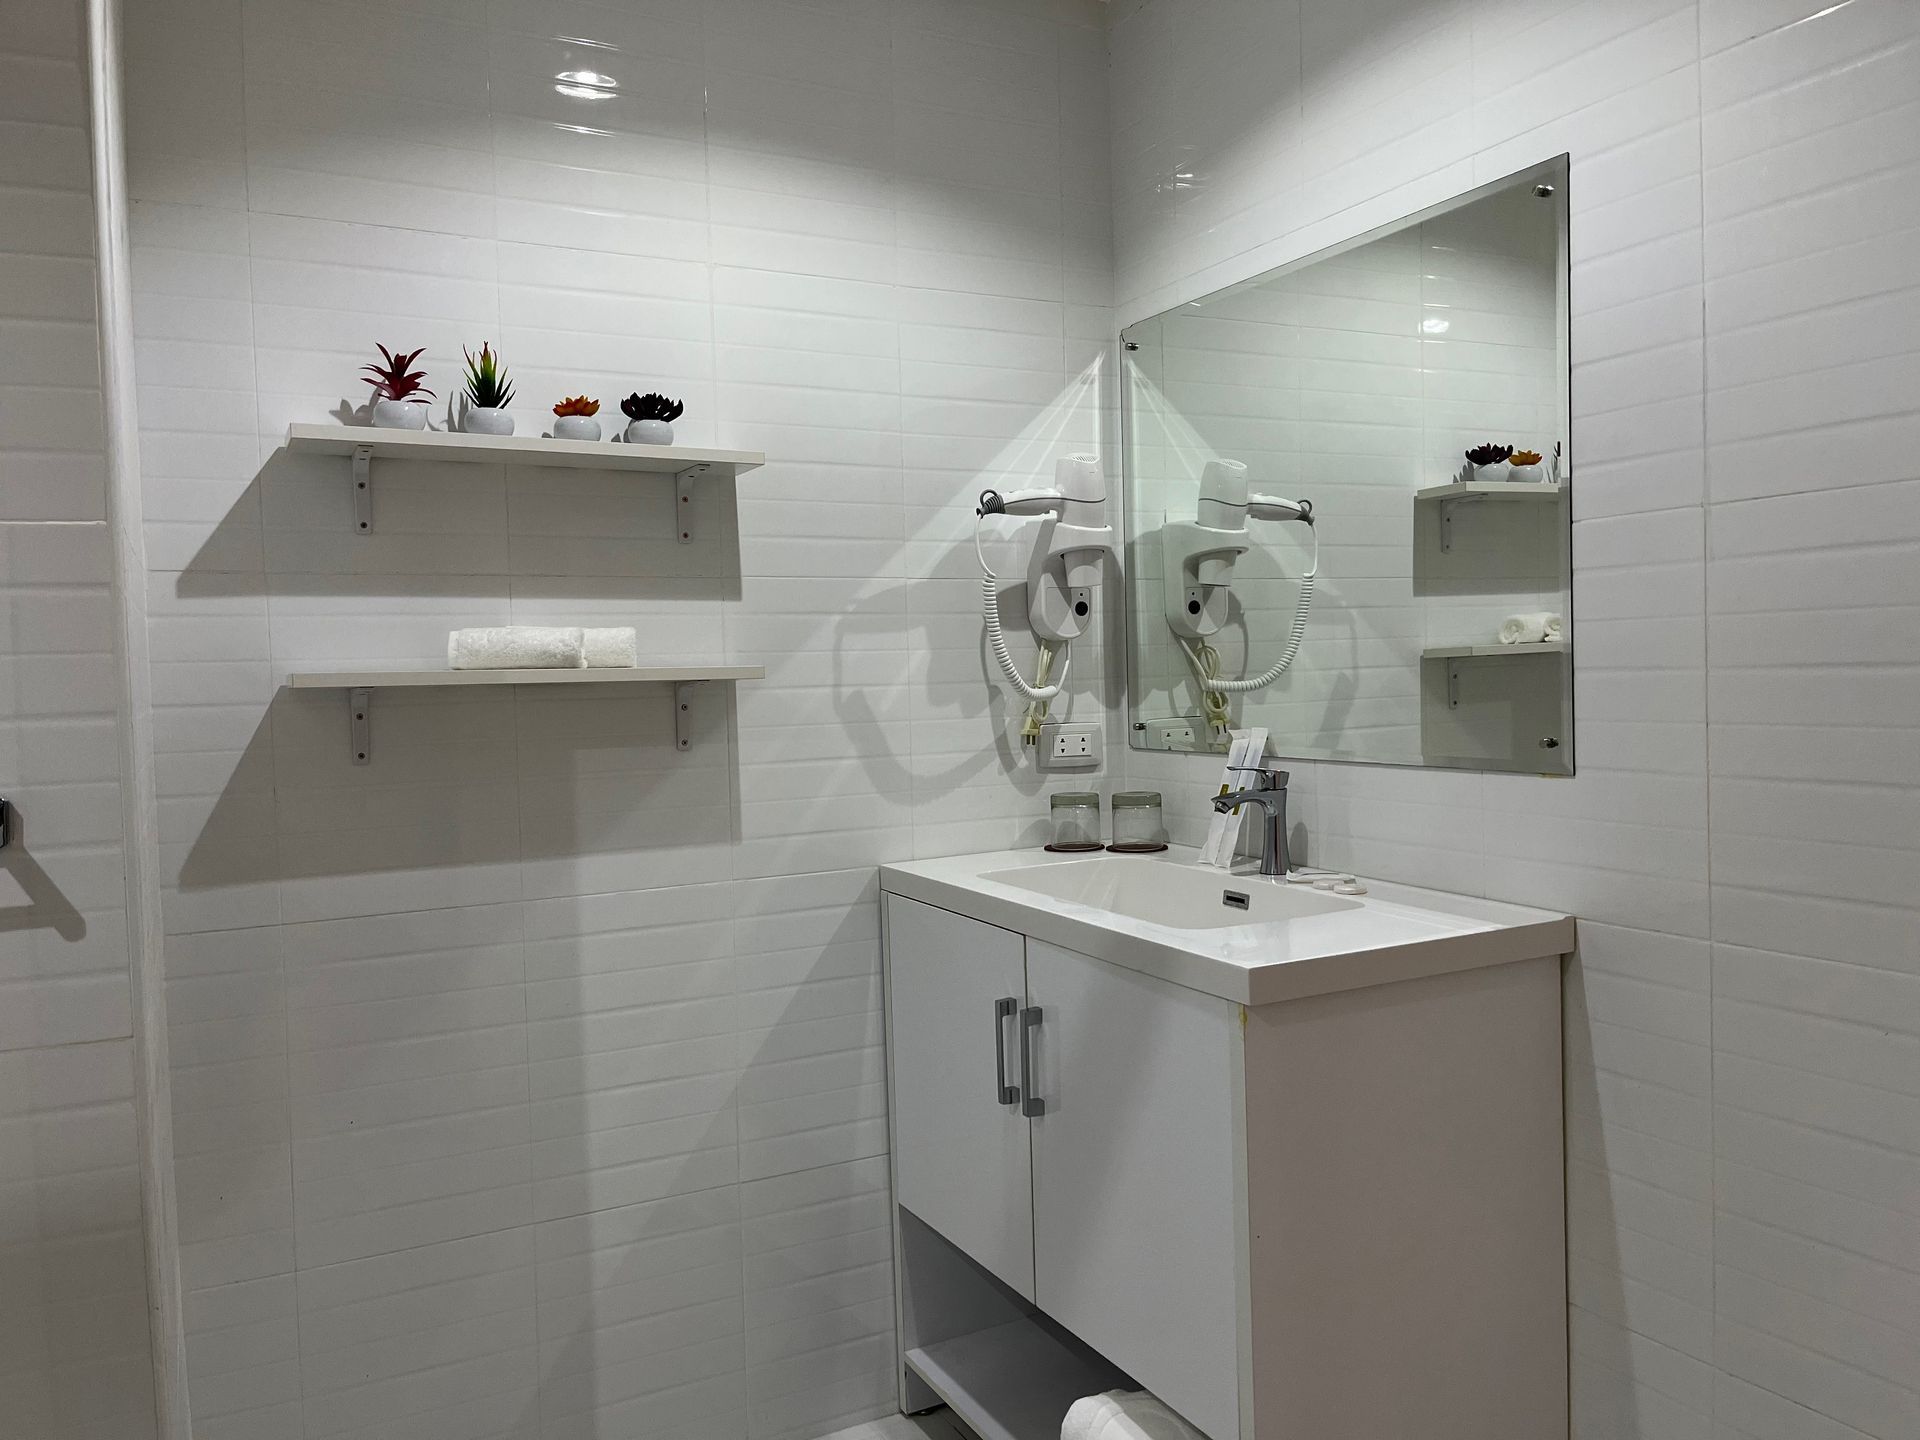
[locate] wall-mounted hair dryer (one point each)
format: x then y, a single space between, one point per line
1200 553
1199 556
1063 574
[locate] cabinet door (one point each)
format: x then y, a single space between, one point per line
1138 1193
962 1159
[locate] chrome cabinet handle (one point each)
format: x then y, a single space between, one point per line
1029 1022
1002 1012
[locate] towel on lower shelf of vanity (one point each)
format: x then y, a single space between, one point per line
615 648
1124 1415
517 647
1530 628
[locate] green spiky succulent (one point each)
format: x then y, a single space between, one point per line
488 387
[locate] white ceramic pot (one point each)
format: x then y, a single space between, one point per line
575 427
1525 474
1492 474
649 432
399 415
481 421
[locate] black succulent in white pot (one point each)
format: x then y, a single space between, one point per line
650 418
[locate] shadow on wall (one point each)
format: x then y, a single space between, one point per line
47 906
511 532
1596 1275
683 1054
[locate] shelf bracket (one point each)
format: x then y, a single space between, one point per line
362 489
360 726
683 714
1446 518
683 503
1453 684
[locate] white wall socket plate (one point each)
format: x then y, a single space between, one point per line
1071 747
1175 734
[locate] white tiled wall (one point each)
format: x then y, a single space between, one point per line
1739 842
74 1359
528 1080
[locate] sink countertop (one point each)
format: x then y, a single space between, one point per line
1394 932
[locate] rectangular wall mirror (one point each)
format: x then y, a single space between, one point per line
1398 407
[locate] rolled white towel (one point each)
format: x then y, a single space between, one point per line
1530 628
614 648
1124 1415
517 647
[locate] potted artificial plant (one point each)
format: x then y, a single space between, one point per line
1489 461
573 419
489 392
652 418
1523 467
398 391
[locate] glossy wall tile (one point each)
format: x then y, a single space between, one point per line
74 1343
530 1078
1738 840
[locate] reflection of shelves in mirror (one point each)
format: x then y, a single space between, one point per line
1451 497
1456 652
360 684
362 445
1491 489
1495 704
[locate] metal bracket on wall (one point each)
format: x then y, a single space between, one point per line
362 489
1446 518
6 822
360 725
683 503
1453 684
683 714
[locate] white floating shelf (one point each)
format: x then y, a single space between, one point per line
513 450
363 444
360 685
1492 489
417 679
1480 652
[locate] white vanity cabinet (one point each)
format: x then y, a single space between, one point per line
1331 1218
1135 1230
1097 1179
956 989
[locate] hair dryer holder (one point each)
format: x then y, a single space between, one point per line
1063 572
1199 562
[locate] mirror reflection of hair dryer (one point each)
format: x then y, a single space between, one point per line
1063 575
1199 556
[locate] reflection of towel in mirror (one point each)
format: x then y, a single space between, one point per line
516 647
1530 629
1124 1415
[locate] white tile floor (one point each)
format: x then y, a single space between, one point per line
940 1425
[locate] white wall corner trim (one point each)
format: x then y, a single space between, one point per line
152 1095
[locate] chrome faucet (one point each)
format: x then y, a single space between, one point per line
1269 792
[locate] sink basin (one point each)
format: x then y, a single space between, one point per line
1169 916
1182 897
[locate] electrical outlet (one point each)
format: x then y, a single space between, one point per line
1177 734
1070 747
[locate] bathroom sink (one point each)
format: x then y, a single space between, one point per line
1170 916
1182 897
